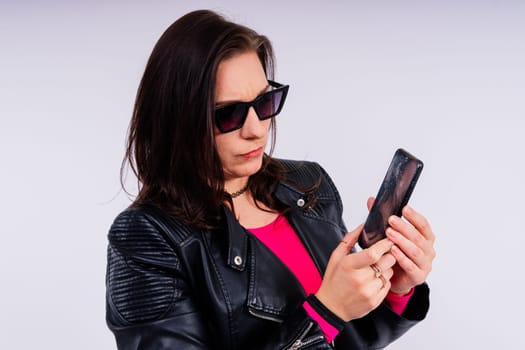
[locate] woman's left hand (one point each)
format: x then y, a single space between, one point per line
413 249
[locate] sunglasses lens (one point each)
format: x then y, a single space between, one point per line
230 117
268 105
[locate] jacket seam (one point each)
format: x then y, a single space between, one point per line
333 188
223 289
319 218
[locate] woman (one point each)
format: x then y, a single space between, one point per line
226 247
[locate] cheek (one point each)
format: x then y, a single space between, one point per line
223 145
267 124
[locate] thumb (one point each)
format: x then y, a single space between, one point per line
370 202
348 242
352 236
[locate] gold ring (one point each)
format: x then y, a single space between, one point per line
383 280
377 270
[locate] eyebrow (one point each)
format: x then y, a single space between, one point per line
227 102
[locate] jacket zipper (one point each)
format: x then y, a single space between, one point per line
299 342
264 316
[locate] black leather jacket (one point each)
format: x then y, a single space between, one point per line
170 286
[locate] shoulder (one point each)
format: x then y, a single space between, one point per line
143 258
145 232
310 174
304 173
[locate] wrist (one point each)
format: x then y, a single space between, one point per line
402 292
328 305
327 314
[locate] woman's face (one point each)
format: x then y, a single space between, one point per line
241 78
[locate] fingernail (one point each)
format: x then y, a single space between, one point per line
392 219
408 209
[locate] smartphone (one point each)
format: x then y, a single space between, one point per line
393 195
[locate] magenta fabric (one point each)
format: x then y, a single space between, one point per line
397 302
330 332
281 239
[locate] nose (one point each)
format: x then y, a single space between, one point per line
253 127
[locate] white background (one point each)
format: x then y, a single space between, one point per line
443 79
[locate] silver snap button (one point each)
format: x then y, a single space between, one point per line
300 202
237 260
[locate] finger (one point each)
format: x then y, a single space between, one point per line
371 254
385 262
409 249
406 264
388 273
347 243
412 234
353 235
409 231
419 222
370 202
383 281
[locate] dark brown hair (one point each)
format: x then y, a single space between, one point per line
171 144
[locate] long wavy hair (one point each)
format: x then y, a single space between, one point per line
171 143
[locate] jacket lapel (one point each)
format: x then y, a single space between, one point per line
318 235
274 291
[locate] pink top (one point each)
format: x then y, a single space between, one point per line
281 239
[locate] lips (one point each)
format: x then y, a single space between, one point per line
254 153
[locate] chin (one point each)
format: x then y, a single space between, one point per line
247 169
253 167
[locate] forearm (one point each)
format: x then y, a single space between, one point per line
382 326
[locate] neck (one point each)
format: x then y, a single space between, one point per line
236 187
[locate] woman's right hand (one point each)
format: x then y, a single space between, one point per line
351 288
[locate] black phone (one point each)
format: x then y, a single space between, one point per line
393 195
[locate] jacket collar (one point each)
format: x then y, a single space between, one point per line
237 239
237 242
266 296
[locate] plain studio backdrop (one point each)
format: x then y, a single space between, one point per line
443 79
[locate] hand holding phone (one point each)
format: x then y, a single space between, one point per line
393 195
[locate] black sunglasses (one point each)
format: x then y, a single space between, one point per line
232 116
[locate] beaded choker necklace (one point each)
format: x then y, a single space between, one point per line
239 192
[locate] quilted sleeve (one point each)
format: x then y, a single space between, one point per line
148 303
